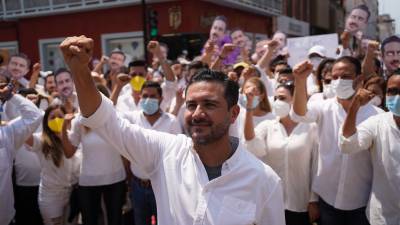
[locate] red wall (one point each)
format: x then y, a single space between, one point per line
123 19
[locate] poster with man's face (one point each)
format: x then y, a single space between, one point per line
357 21
391 56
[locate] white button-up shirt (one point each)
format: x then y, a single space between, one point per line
12 137
343 181
381 136
126 103
293 157
247 192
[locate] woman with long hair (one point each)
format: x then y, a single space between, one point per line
259 106
58 174
324 77
290 149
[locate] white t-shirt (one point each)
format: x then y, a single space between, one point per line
27 167
101 165
126 103
52 176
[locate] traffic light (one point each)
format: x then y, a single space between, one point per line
153 23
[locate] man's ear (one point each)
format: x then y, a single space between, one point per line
235 110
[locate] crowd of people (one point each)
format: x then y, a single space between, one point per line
236 135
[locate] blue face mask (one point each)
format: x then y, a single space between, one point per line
393 104
243 101
149 105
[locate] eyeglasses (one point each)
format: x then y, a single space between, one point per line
393 91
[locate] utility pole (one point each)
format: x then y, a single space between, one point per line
145 35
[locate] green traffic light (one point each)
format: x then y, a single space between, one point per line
153 32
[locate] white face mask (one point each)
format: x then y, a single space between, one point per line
281 108
329 91
344 89
376 101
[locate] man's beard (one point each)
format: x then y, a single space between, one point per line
216 133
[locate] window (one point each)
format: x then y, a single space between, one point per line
10 46
50 55
131 43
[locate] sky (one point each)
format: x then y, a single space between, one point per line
391 7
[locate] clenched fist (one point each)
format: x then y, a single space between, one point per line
77 51
302 70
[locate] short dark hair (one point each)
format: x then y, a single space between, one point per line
59 71
364 8
349 59
231 88
222 18
23 56
236 29
137 63
277 61
287 70
152 84
390 39
117 51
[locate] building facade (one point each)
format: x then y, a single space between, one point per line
37 27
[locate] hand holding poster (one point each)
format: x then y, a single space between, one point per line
299 47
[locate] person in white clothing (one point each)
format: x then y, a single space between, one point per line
12 137
259 106
151 116
102 173
58 174
195 180
290 149
326 88
343 182
380 136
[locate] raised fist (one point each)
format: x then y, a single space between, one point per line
302 70
362 97
36 68
77 51
373 46
227 49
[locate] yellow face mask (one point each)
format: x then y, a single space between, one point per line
56 124
137 83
